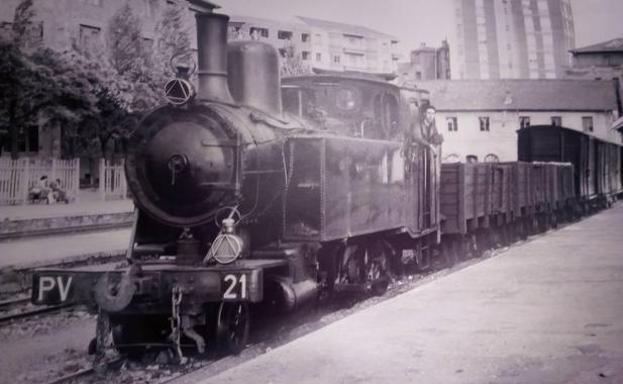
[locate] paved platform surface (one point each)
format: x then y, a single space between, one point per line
89 209
38 251
547 311
81 207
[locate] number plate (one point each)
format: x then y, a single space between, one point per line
235 286
52 289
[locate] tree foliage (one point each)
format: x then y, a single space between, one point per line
96 93
37 86
172 40
292 62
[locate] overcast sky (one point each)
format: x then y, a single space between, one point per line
416 21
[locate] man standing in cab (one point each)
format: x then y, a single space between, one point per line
428 127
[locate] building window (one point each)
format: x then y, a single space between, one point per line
492 158
453 125
587 123
484 123
471 159
418 75
89 36
557 121
452 158
6 28
318 56
336 59
524 122
256 32
283 52
148 43
284 35
305 55
304 37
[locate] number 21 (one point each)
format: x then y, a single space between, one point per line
233 281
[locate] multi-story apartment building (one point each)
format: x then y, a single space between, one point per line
481 117
283 35
347 47
426 63
322 44
498 39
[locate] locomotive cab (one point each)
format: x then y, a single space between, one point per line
356 106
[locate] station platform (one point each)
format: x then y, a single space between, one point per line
60 231
87 213
49 250
549 310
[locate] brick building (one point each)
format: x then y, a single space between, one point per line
63 23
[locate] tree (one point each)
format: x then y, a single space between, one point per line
172 41
23 24
292 63
37 87
94 102
131 60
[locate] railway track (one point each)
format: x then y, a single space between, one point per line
6 305
85 372
12 312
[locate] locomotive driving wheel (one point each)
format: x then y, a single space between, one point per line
376 268
233 323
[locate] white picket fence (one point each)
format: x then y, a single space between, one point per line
18 176
112 180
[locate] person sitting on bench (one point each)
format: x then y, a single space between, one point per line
58 194
41 191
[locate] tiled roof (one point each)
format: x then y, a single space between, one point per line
536 95
614 45
345 28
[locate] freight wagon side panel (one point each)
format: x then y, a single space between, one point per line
501 199
452 198
465 196
520 192
477 193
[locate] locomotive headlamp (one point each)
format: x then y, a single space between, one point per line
227 246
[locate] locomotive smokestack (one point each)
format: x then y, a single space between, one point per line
212 57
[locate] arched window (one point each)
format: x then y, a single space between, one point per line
452 158
471 159
492 158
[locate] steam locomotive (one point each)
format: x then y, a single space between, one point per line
262 193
